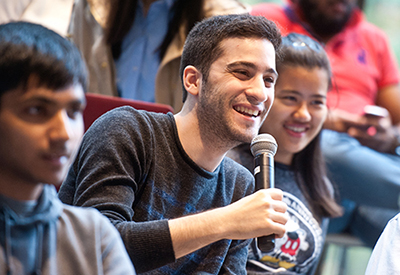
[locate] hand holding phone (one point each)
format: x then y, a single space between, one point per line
375 111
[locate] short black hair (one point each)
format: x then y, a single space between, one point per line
202 46
28 49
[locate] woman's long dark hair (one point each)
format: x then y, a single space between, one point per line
122 16
309 164
310 171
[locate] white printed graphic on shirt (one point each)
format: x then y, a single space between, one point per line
301 244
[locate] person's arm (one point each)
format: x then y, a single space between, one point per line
259 214
340 121
389 98
379 133
385 135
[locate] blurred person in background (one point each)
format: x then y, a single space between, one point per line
53 14
133 48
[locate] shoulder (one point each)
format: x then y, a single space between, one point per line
231 165
242 155
237 172
100 10
127 122
87 221
130 114
87 231
366 30
271 11
373 40
394 224
277 14
266 8
221 7
84 217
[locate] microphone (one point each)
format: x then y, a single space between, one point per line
263 147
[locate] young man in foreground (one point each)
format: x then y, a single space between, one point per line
42 83
163 180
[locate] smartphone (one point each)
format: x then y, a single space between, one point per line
375 111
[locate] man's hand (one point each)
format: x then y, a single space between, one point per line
260 214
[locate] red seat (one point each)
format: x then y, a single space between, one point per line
99 104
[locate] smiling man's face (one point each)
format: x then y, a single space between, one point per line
239 90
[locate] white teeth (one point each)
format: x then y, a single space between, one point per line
296 129
247 111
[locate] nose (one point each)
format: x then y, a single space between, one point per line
257 92
61 128
302 113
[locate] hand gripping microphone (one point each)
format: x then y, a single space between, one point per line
263 147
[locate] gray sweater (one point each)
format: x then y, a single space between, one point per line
132 167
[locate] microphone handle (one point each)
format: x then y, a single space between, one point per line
264 179
266 243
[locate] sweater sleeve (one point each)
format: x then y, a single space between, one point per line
108 174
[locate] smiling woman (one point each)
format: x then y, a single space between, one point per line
299 109
295 120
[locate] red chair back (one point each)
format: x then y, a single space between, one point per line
97 104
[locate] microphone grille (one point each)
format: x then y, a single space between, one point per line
263 143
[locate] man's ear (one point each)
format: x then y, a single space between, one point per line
192 79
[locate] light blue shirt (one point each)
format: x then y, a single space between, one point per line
139 60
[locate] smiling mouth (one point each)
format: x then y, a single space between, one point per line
296 129
246 111
54 157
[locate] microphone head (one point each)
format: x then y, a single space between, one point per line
263 143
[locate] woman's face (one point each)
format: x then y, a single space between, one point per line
299 109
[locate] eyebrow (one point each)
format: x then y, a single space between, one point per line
298 93
250 65
45 100
319 96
